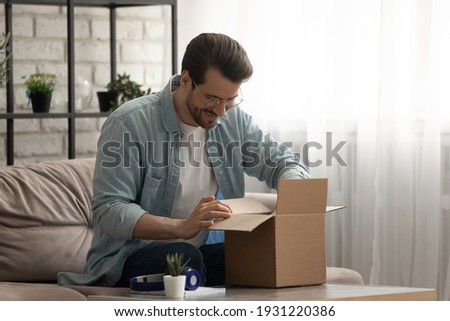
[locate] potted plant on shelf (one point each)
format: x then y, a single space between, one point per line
39 90
4 57
175 281
119 91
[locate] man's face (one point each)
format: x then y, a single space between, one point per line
200 97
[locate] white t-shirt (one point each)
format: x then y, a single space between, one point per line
196 176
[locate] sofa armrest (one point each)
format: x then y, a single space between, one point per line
45 218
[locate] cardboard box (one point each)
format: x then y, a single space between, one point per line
281 248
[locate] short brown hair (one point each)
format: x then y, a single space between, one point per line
219 51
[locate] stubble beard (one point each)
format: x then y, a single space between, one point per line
197 114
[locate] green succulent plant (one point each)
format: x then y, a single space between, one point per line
175 264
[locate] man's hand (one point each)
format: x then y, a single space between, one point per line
152 227
202 217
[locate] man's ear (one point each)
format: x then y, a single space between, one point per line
185 80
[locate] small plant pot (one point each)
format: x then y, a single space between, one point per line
40 102
107 99
174 286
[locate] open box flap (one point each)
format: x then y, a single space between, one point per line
241 222
302 196
246 205
334 208
248 213
307 195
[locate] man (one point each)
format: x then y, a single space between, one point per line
164 162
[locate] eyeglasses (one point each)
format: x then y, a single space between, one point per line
211 102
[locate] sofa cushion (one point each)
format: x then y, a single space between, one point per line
45 219
10 291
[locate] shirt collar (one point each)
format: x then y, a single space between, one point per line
168 113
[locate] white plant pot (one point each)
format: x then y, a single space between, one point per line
174 286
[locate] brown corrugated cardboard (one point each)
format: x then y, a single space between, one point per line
285 247
248 214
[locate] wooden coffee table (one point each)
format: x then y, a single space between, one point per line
305 293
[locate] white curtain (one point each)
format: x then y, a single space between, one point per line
366 85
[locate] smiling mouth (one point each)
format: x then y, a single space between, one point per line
210 114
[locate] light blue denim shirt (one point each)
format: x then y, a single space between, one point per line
137 170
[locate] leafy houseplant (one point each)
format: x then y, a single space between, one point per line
175 281
4 57
120 90
39 90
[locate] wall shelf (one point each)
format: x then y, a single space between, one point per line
71 115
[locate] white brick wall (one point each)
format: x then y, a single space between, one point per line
40 45
39 145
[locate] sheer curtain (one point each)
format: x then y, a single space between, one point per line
363 87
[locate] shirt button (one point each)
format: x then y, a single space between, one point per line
221 172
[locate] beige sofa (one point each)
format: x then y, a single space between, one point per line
46 227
